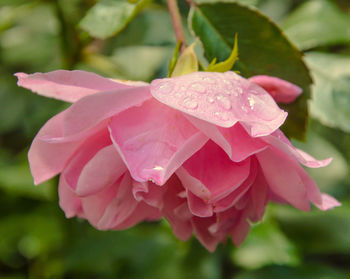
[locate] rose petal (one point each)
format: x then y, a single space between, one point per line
259 194
198 207
91 110
280 141
214 175
69 202
154 140
149 192
94 206
46 159
201 229
69 86
221 99
241 230
176 210
83 155
238 193
235 141
121 207
101 171
281 174
281 91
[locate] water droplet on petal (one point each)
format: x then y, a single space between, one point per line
221 116
165 87
251 102
209 80
200 88
158 168
189 103
210 99
239 90
224 102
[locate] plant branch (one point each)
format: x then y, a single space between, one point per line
177 24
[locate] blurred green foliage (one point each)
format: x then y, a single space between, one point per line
36 241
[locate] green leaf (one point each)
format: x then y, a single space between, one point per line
17 180
32 234
108 17
317 23
265 245
263 50
317 232
187 63
329 178
244 2
331 94
174 58
308 271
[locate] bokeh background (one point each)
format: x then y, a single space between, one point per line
37 241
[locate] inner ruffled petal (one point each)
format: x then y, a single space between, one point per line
214 174
154 140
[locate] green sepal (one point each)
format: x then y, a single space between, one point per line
174 58
187 62
226 65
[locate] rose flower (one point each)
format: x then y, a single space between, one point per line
203 150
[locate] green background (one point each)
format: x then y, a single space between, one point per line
36 241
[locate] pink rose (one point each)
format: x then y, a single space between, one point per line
203 150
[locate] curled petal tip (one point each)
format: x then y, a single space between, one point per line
282 91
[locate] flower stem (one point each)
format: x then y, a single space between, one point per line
177 24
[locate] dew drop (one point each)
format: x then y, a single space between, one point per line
251 102
224 102
200 88
239 90
209 80
221 116
165 87
210 99
158 168
189 103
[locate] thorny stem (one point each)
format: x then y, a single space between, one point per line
177 24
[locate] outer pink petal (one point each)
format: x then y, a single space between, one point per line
215 171
280 141
283 178
101 171
83 155
91 110
198 207
69 202
121 207
328 202
47 159
149 192
94 206
221 99
143 212
176 210
322 201
235 141
154 140
241 230
237 194
67 86
259 194
282 91
201 229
